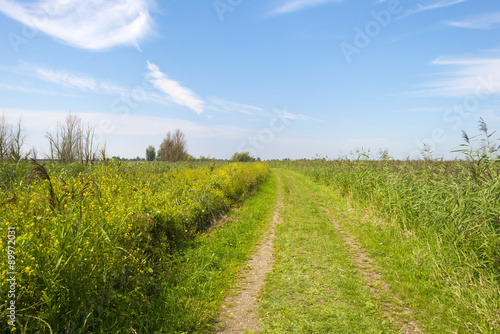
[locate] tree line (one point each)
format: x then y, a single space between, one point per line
75 141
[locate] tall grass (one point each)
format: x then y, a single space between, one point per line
451 206
93 243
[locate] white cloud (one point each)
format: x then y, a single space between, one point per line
467 76
87 24
228 106
484 22
288 115
83 82
297 5
26 89
177 93
435 5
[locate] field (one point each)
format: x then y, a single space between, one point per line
94 245
431 228
360 246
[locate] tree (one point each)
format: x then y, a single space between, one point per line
73 141
173 147
5 129
17 139
242 157
11 140
150 153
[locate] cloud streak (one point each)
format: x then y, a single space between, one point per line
297 5
432 6
234 107
178 94
79 82
86 24
483 22
466 77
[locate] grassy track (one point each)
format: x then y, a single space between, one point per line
315 285
202 275
340 269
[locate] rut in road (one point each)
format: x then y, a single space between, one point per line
239 312
390 303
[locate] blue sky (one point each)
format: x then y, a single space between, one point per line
277 78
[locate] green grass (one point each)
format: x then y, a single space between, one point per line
431 268
200 276
314 286
104 248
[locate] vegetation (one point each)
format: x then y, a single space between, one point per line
174 147
12 140
450 210
73 141
150 153
98 246
242 157
314 286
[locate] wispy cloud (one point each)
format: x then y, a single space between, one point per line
177 93
466 77
82 82
233 107
484 21
288 115
76 82
26 89
90 24
435 5
297 5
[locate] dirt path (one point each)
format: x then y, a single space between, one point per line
239 311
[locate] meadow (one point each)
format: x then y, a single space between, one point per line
95 245
445 214
364 245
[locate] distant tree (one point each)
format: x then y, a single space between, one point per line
17 139
158 156
150 153
11 140
242 157
73 141
173 148
189 157
4 137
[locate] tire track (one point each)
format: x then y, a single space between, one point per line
239 311
390 304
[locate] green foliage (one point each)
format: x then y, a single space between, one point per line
313 286
450 205
95 243
174 147
150 153
242 157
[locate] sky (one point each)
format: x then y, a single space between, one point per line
276 78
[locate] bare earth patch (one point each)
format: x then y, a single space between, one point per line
239 311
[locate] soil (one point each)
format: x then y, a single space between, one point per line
239 311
